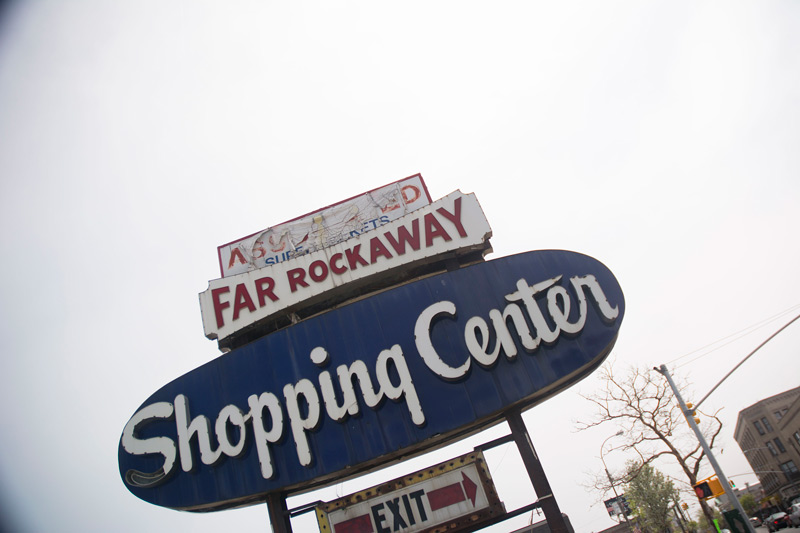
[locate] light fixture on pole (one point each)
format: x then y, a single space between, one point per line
608 474
745 452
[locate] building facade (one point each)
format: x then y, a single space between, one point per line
768 432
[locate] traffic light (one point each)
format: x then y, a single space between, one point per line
708 488
693 413
716 487
703 491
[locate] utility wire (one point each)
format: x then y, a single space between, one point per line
738 335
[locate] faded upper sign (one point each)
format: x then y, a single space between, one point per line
453 224
324 227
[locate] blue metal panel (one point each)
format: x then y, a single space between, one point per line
359 332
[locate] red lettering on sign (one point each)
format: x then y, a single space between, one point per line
359 524
434 229
410 193
318 266
469 487
219 306
452 494
354 257
296 277
377 249
234 254
455 218
335 258
404 237
446 496
242 299
274 247
262 291
258 250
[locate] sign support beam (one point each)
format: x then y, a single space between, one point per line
549 505
278 513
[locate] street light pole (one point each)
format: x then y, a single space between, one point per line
734 501
608 474
690 419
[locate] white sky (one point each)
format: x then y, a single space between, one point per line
135 137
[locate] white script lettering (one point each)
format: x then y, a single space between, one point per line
303 409
477 331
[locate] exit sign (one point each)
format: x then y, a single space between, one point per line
459 493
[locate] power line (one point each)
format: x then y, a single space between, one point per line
738 335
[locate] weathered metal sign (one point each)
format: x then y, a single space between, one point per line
454 224
403 371
458 493
324 227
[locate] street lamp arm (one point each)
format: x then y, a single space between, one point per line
602 447
697 405
754 449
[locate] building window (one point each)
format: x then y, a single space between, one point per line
797 437
760 429
766 424
772 449
790 470
778 415
779 444
772 482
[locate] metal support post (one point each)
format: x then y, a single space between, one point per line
734 501
549 505
278 513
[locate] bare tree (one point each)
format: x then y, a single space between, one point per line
643 405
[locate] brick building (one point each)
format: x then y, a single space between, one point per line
768 432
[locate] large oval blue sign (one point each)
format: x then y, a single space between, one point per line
405 370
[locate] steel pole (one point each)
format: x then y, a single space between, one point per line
616 497
278 513
549 505
734 501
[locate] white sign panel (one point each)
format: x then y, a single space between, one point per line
324 227
453 224
421 501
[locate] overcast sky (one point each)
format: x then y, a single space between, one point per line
660 138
